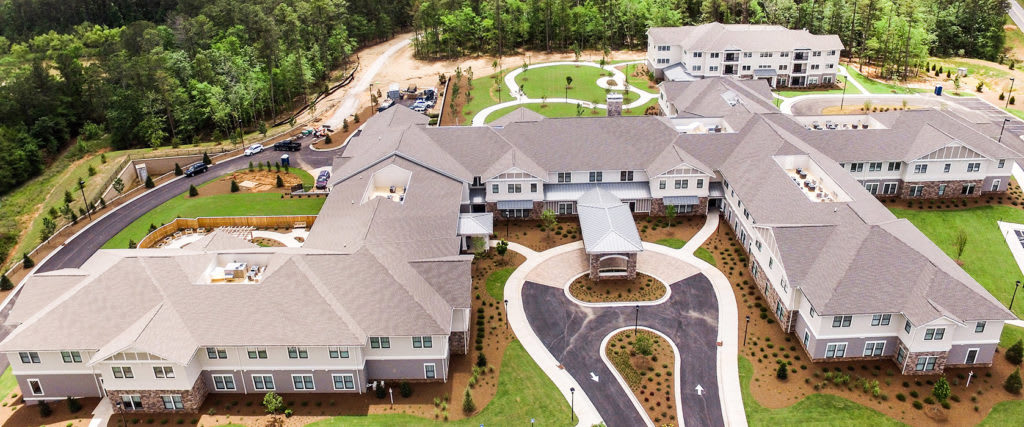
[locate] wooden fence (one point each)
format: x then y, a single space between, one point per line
211 223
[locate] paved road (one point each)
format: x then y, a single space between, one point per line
79 249
1016 13
573 335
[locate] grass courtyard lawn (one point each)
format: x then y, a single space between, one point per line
483 95
235 204
986 257
562 109
496 282
550 81
524 393
1016 112
874 86
7 384
701 253
1009 413
640 82
791 93
814 410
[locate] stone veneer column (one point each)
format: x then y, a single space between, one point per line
152 401
931 189
457 343
770 296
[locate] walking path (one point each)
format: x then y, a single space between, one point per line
541 279
853 81
519 97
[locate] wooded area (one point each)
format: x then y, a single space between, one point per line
164 72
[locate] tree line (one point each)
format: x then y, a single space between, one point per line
895 34
164 72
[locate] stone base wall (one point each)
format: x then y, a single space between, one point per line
770 296
931 189
595 265
538 207
152 401
457 343
911 362
658 208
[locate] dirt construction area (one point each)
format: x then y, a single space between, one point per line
259 181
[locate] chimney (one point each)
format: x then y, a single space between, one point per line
614 103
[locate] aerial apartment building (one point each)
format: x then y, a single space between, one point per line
381 292
781 56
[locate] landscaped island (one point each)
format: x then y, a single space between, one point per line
642 288
645 361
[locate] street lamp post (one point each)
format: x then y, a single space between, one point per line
507 325
1009 94
81 187
1014 294
745 331
1005 121
636 321
572 404
842 100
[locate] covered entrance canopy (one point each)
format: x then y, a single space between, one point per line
610 237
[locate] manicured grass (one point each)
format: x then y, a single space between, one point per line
483 95
640 82
701 253
496 282
814 410
561 109
1016 112
550 81
524 393
7 384
1009 413
874 86
986 257
833 91
235 204
975 70
1011 334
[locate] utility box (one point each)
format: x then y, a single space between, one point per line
614 103
938 90
286 160
141 171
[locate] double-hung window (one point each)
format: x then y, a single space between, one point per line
257 353
132 402
875 167
344 382
856 167
906 327
216 353
163 372
223 382
835 350
925 363
874 348
841 321
263 382
934 334
894 166
881 319
901 355
515 188
297 353
380 342
337 353
422 342
429 371
494 188
29 357
303 382
172 401
626 176
973 167
565 177
920 168
661 184
1002 162
122 372
533 187
596 176
700 183
979 327
71 356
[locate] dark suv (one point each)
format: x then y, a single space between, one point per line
196 169
321 180
287 145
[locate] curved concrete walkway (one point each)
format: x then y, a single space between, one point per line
552 268
519 97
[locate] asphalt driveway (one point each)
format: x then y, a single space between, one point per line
573 335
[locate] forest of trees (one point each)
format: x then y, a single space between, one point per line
893 33
162 72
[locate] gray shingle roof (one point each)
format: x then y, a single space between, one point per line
715 36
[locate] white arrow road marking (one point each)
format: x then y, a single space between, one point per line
700 390
593 377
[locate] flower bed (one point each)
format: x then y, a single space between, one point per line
642 288
648 371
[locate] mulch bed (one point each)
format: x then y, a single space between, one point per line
642 288
649 377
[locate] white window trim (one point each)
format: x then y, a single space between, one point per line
311 379
262 376
213 377
40 383
846 347
875 345
173 406
129 396
977 352
335 381
425 371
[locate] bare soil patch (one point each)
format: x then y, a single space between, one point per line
767 345
1014 196
649 377
531 233
266 182
654 228
859 109
340 135
17 413
641 288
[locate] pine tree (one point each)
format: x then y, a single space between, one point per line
280 182
27 261
177 170
1015 353
782 373
5 283
149 182
468 406
206 159
1013 383
250 166
234 186
193 191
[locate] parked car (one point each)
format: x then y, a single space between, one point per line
385 105
254 149
419 106
196 169
321 180
429 95
287 145
307 132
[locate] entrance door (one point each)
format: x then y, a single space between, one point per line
632 206
972 355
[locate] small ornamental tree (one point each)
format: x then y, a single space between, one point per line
193 191
268 165
27 261
67 197
234 186
6 284
644 345
49 227
273 403
355 117
280 182
960 243
149 182
941 390
262 128
501 248
1015 353
177 170
132 244
405 389
206 159
1013 383
468 406
118 185
327 140
549 219
782 373
250 166
670 213
344 125
481 359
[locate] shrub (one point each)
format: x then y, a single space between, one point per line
918 405
1013 383
44 409
26 261
287 413
149 182
280 182
1012 99
192 191
73 405
273 403
913 393
234 186
468 406
1015 353
381 392
177 170
250 166
206 159
5 283
901 397
782 373
929 400
941 390
405 389
1002 96
945 404
481 360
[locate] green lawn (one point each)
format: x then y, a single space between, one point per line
7 384
550 81
1016 112
640 82
976 70
814 410
524 393
561 109
701 253
1011 334
496 282
1009 413
483 95
986 257
833 91
236 204
874 86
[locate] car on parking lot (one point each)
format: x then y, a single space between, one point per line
385 105
196 169
254 149
287 145
321 180
419 106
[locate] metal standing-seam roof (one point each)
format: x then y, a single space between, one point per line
607 224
